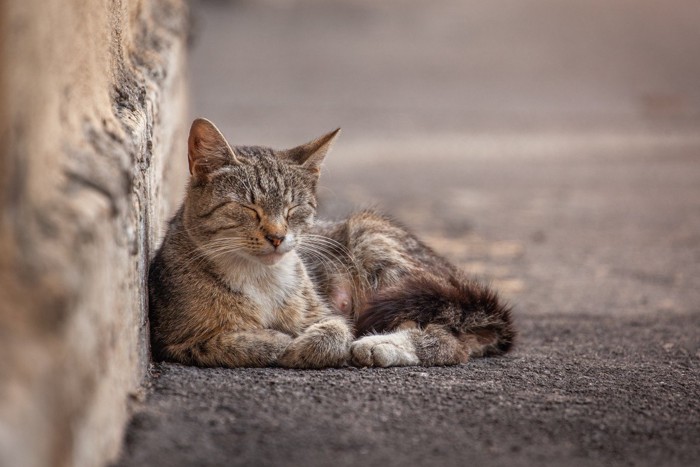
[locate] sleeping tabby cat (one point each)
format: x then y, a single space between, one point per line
246 276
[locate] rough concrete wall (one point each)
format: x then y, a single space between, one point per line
92 98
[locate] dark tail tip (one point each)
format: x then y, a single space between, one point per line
465 307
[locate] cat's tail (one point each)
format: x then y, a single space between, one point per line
470 310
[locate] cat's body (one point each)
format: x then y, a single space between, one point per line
246 277
416 307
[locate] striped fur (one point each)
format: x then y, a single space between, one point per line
227 287
400 285
247 277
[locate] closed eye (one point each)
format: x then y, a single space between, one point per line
291 210
298 207
251 211
214 209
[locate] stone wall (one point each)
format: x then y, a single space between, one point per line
92 130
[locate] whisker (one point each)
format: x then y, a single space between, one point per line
331 265
334 244
212 250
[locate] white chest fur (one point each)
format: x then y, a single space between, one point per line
268 287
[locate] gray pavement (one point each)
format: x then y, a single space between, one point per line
551 148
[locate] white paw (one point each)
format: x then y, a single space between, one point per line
395 349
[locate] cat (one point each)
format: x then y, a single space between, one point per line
227 286
247 277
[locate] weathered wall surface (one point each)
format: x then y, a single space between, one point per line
92 98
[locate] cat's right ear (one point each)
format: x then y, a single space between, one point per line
311 155
207 149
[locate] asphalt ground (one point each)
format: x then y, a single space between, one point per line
550 149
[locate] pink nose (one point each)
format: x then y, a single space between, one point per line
276 240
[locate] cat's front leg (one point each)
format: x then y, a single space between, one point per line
323 344
245 348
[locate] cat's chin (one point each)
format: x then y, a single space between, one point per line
271 259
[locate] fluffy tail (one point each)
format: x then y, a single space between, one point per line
470 310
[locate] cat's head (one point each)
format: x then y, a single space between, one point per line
250 201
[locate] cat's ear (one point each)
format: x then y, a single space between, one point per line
207 149
311 154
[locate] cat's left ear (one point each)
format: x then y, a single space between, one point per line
311 154
207 149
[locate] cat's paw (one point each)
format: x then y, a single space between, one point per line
384 350
324 344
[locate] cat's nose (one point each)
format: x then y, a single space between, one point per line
276 240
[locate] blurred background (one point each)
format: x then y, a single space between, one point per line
551 147
274 70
